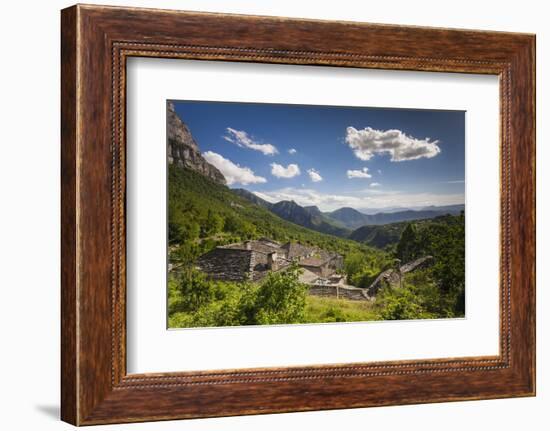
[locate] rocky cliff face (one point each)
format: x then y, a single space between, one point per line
183 151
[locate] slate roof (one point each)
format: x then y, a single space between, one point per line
268 241
260 271
313 261
294 250
257 246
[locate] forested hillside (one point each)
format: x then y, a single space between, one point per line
310 217
381 236
203 214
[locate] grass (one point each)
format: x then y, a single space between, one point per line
325 310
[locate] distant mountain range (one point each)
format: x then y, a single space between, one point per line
371 211
353 219
343 221
310 217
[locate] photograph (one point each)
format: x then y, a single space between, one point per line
300 214
275 215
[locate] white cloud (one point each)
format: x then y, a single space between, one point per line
232 172
314 175
361 200
280 171
356 173
367 142
292 151
375 184
241 138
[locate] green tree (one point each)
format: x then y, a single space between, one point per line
212 225
195 290
449 269
232 224
365 277
418 298
353 264
407 247
184 254
281 298
445 241
398 304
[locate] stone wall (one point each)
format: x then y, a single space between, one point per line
393 277
345 292
226 264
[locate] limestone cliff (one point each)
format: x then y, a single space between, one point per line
183 150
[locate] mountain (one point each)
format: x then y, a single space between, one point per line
183 151
379 235
314 211
383 218
382 235
342 220
349 217
353 219
203 213
253 198
448 209
310 217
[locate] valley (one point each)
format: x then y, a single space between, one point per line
230 260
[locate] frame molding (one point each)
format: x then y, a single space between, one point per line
96 41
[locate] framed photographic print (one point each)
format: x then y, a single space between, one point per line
268 215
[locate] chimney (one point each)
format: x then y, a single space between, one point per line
272 261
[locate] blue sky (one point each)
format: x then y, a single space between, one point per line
366 158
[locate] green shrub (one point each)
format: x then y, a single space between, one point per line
196 301
281 298
418 298
195 290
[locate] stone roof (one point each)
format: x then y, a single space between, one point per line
260 246
313 261
319 258
308 276
270 242
260 271
294 249
325 255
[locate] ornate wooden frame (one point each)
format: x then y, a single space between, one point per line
95 42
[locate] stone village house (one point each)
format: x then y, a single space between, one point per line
253 260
